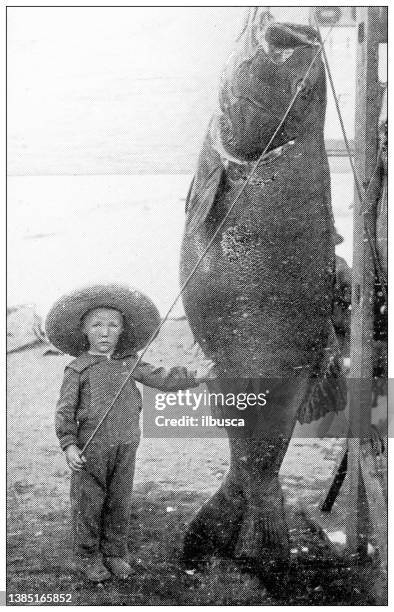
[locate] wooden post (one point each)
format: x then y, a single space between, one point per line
363 282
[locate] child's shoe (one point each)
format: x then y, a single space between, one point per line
118 566
94 569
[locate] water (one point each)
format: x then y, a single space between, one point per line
66 231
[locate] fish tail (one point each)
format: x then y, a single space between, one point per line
263 536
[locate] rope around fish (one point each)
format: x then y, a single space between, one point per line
210 243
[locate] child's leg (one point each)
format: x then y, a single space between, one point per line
116 515
88 489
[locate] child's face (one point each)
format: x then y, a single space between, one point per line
103 327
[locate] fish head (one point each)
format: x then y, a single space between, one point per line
278 66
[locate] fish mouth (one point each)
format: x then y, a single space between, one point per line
290 36
282 39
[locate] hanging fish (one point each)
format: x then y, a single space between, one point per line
260 302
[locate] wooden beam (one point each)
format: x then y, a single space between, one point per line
363 281
336 485
383 24
373 481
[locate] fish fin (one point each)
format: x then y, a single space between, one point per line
205 185
327 389
264 534
187 203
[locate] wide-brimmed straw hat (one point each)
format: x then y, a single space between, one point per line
140 317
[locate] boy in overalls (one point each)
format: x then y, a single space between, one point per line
104 326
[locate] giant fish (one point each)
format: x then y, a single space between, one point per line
259 302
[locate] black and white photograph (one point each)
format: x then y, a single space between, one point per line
197 372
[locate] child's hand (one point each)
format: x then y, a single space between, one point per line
74 458
204 366
205 370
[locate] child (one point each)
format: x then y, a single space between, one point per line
103 326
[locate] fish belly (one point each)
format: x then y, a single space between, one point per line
261 298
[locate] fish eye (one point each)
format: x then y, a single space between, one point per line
279 55
286 53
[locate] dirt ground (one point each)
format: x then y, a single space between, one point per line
173 478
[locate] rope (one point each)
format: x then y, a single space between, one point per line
205 251
361 196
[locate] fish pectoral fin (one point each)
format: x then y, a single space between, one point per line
188 197
205 185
